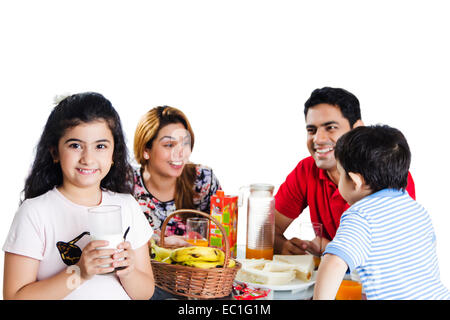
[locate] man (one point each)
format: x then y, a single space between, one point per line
329 113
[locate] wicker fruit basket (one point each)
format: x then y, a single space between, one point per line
194 282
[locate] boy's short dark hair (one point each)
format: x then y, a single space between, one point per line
379 153
343 99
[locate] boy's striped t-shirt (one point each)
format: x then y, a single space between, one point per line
389 239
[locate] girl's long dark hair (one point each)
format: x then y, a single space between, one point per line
72 111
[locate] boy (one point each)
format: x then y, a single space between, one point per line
385 235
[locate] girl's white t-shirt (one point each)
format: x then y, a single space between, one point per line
53 230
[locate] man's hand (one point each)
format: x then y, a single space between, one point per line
298 246
294 245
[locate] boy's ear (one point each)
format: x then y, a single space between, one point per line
358 180
358 123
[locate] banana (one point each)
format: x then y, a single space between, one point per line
159 253
196 253
167 260
207 264
231 263
194 256
201 264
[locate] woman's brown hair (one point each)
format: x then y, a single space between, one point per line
147 130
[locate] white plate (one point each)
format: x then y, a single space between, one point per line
295 285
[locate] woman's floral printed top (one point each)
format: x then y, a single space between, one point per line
206 184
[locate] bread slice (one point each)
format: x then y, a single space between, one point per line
278 266
304 264
264 277
253 263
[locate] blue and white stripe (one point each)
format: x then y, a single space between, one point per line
389 239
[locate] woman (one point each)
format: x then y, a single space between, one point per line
166 180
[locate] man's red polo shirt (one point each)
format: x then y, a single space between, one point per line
307 185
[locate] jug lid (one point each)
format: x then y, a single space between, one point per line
261 187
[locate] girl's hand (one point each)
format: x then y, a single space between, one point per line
92 258
127 265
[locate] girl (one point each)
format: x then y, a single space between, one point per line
166 180
81 162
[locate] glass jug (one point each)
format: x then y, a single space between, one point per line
260 221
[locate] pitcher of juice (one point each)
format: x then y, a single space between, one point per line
260 221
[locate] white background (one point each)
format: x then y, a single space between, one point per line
241 71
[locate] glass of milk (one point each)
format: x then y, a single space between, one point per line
105 223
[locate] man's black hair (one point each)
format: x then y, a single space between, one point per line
379 153
341 98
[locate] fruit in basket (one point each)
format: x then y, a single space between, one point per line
208 264
168 260
200 257
158 253
231 263
196 253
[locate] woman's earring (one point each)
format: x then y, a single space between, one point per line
55 160
112 163
146 156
